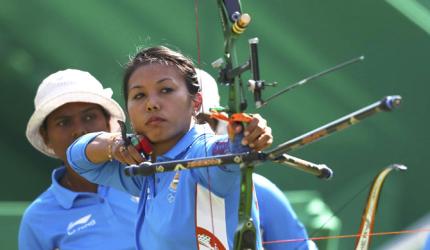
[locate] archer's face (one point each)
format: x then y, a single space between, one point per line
159 104
70 121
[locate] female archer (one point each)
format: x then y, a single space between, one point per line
190 209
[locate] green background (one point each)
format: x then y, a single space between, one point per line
297 38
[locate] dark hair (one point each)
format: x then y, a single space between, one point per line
166 56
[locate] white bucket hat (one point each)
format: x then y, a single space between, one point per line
209 89
63 87
210 96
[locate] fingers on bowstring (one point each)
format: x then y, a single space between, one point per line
128 155
135 155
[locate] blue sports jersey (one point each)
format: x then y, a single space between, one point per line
278 221
427 244
62 219
175 209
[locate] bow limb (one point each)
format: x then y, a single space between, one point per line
234 23
368 217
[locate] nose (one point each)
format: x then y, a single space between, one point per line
152 104
79 131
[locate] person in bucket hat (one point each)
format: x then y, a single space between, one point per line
64 87
74 213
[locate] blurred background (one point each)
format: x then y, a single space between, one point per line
298 38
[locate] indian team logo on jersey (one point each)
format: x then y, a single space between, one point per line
80 224
174 184
172 188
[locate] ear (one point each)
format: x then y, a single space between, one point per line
44 135
197 101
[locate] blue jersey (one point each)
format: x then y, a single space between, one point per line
63 219
278 221
427 244
187 209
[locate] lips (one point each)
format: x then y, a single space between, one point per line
155 120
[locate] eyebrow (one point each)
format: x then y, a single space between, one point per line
81 112
91 109
157 82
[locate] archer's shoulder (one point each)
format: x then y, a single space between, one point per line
40 207
215 144
220 147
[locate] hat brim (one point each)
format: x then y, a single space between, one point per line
40 114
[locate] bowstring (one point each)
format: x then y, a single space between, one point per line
196 13
412 231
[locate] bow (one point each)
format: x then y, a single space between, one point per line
234 23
